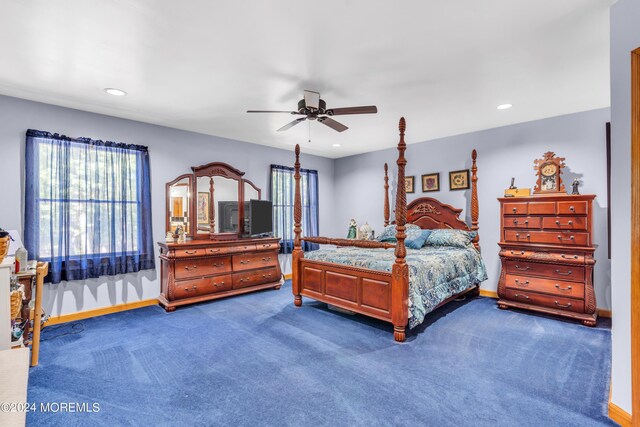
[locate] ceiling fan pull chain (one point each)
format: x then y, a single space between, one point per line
309 131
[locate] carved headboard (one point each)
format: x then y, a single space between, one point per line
429 213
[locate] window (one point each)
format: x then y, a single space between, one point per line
87 206
282 197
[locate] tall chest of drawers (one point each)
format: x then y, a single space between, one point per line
201 270
546 253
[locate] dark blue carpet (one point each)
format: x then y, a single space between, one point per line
257 360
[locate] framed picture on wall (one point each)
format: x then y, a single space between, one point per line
203 208
431 182
459 180
409 184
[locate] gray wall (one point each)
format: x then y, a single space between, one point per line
502 153
625 37
172 152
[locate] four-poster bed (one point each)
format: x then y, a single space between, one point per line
375 282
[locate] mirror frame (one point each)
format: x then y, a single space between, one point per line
167 191
254 187
227 171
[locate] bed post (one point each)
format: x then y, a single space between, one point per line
297 253
386 195
400 270
475 209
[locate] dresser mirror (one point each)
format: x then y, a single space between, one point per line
211 202
178 193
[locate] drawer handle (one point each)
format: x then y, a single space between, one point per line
264 276
191 268
562 238
266 245
218 264
563 305
515 210
526 283
243 262
522 296
569 257
568 288
521 253
265 259
572 209
527 236
193 288
526 267
568 223
243 280
515 221
214 250
218 285
568 273
190 252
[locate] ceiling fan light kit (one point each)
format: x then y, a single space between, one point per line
314 108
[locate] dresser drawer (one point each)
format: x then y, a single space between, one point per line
181 253
547 286
555 271
572 208
265 246
557 302
190 268
515 208
522 222
249 247
565 223
542 208
217 250
202 286
547 237
254 260
256 277
541 255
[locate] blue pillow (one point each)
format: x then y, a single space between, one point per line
418 241
389 233
449 237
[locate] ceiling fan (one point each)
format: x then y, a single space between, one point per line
314 108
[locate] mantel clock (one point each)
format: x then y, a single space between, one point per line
549 169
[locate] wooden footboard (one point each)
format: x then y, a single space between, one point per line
357 289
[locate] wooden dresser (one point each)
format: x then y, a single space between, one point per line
201 270
547 255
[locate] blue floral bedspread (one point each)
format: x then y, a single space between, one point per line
435 272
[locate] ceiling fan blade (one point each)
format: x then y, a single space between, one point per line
332 124
271 111
369 109
311 99
292 124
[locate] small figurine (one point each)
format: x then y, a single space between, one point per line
366 231
353 230
575 184
169 238
513 184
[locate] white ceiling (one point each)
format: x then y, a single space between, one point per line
199 65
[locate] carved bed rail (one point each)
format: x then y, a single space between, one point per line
349 242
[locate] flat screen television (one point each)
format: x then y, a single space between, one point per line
260 218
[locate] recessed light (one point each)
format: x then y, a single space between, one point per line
335 145
504 106
115 92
